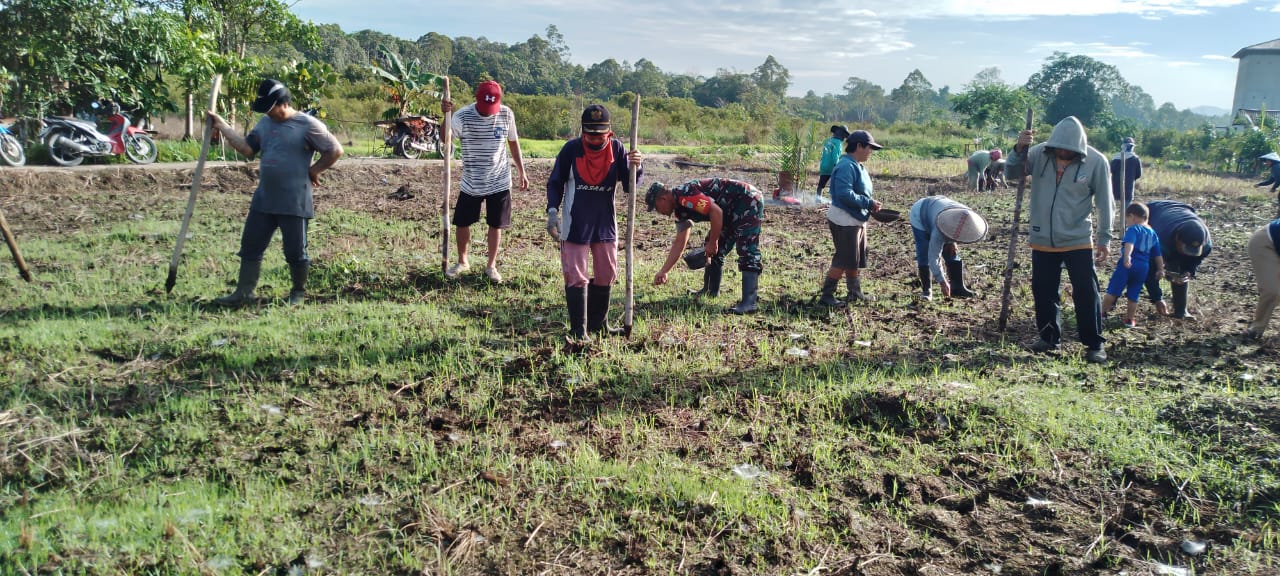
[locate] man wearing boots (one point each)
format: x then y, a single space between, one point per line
1184 244
851 206
287 140
734 210
580 216
938 223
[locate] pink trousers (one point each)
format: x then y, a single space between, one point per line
604 263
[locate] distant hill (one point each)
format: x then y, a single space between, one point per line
1210 111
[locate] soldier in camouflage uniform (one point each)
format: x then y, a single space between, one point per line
734 210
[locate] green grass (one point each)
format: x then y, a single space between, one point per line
399 423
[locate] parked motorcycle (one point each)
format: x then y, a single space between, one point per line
411 136
11 152
71 140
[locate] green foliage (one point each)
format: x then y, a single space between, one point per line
118 48
797 148
310 83
406 86
993 106
1080 98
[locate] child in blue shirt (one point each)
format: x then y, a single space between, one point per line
1141 250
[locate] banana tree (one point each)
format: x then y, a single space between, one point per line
405 85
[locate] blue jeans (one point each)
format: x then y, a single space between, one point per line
922 248
259 227
1046 280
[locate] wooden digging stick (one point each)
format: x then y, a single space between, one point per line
628 308
195 186
446 153
13 248
1013 239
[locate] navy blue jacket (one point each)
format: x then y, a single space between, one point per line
1166 216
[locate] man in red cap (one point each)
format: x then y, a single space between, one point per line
483 128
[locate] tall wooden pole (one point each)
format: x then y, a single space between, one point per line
13 249
446 153
628 309
1010 263
195 186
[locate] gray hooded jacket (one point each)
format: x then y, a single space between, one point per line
1060 210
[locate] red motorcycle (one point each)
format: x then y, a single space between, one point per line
411 136
71 140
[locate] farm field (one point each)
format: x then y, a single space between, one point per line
402 423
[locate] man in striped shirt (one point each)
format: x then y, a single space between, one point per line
483 128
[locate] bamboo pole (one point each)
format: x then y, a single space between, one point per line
446 153
13 248
195 186
1010 263
628 309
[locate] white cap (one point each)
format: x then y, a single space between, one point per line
961 225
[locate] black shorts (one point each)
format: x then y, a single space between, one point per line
851 246
497 210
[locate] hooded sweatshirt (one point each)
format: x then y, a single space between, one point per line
1060 208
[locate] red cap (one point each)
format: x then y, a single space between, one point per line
488 97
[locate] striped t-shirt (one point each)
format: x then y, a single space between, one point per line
486 161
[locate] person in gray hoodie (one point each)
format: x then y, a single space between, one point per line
1070 180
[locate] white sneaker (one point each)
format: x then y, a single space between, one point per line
493 274
457 269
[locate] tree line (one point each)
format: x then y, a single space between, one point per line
152 56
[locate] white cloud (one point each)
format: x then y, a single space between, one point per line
1217 57
1182 64
1097 50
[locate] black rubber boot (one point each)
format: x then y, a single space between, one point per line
245 285
750 285
926 282
955 275
855 290
1180 302
298 273
829 286
710 281
575 299
598 310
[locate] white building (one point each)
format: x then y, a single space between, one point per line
1258 82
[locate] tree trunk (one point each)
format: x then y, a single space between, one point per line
187 126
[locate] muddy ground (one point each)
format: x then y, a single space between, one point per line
995 532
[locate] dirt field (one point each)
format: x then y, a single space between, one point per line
1002 528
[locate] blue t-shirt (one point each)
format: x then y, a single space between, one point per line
1146 244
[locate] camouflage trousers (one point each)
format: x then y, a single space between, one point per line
741 230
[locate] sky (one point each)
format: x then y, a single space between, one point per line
1178 51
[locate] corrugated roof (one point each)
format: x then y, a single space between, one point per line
1263 48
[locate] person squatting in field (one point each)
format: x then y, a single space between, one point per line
937 224
851 206
286 140
1184 244
993 176
978 163
830 155
483 128
1069 180
580 217
1139 255
1264 253
734 210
